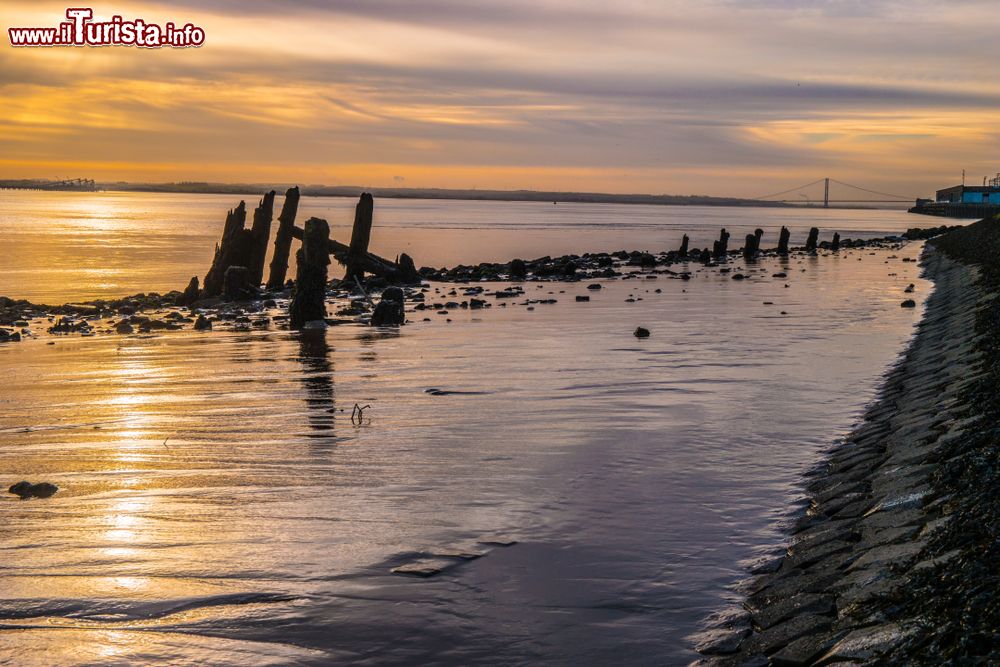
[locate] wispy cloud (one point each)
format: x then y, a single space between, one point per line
717 96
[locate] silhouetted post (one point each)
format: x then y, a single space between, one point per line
835 246
260 232
283 240
748 247
813 240
683 251
360 237
231 250
309 300
758 234
783 241
705 257
721 247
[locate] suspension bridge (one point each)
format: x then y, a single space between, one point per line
804 191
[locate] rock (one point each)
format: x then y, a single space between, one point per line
594 286
720 641
190 294
581 297
641 332
909 289
124 328
909 303
202 324
518 269
27 490
388 313
393 294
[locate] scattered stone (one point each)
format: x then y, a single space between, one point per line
641 332
909 303
26 490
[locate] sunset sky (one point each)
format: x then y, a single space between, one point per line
720 97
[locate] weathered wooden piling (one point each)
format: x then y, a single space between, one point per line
783 239
309 300
683 250
835 246
283 240
232 250
749 249
260 233
705 257
360 237
813 241
758 234
721 247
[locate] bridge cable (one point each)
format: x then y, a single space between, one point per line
801 187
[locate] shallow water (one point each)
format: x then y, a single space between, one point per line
219 507
67 246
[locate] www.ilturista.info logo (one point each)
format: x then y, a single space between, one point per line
82 30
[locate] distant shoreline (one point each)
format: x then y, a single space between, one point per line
539 196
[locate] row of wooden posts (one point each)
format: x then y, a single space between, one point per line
237 270
751 246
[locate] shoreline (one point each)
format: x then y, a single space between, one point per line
879 566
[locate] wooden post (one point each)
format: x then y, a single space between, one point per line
758 234
683 251
835 246
309 300
721 247
231 250
283 240
813 240
260 233
748 248
360 237
783 241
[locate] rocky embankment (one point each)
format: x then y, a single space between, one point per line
895 561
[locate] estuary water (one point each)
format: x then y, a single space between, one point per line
218 506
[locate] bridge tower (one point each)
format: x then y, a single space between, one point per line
826 193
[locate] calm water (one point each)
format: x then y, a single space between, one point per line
107 245
218 507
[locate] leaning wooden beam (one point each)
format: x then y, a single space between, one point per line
371 262
309 300
260 233
283 240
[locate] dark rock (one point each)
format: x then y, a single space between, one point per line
909 303
641 332
518 269
190 294
202 323
124 328
582 297
27 490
